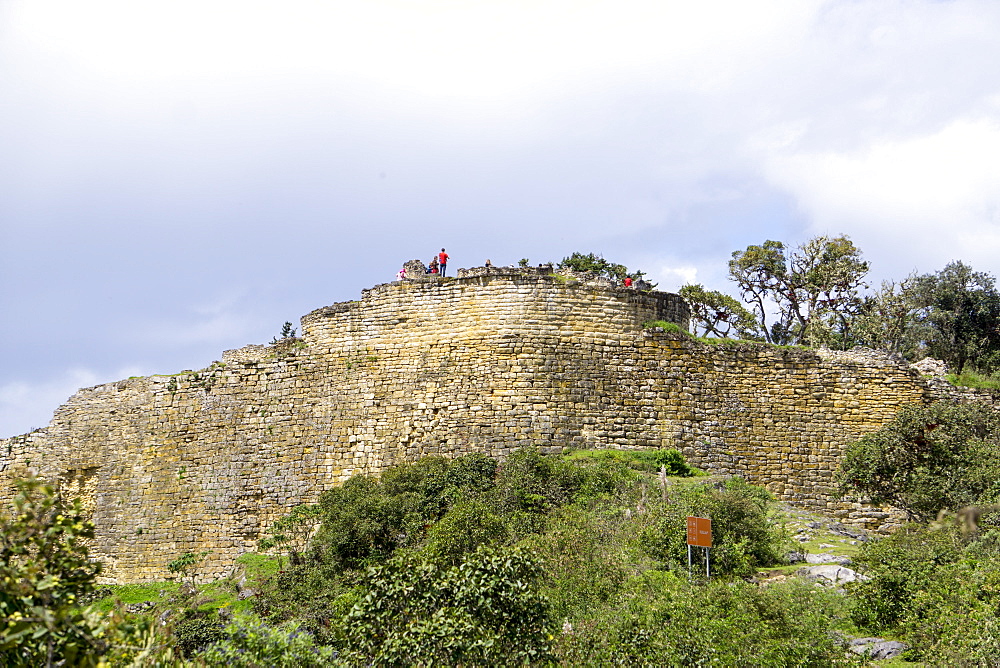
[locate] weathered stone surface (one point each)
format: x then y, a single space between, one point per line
495 360
830 574
878 648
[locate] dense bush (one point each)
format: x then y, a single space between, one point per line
469 562
667 621
942 456
937 589
486 610
248 645
368 518
196 632
744 536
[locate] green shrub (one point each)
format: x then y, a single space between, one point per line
665 326
744 535
588 557
649 461
468 525
973 379
942 456
934 588
484 611
669 622
196 631
368 518
249 645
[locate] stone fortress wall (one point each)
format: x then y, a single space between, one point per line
493 360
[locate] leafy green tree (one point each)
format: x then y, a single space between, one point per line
287 332
44 570
593 263
486 610
942 456
886 320
716 314
184 566
368 518
44 576
814 288
248 645
960 311
596 264
293 530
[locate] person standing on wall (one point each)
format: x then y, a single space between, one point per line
442 262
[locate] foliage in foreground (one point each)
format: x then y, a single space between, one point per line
486 610
667 621
44 572
471 561
936 588
929 458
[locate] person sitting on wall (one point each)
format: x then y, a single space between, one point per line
488 263
432 268
401 274
628 281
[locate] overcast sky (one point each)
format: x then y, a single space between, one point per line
180 178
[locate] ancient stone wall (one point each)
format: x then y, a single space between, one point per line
488 362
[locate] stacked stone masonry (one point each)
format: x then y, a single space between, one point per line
488 362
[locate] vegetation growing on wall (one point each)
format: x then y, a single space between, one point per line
596 264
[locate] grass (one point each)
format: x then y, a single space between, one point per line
211 596
648 461
130 594
664 325
974 380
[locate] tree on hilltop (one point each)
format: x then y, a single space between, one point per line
959 311
716 314
596 264
814 287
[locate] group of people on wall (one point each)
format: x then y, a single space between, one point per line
437 267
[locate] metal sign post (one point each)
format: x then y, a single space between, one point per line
699 534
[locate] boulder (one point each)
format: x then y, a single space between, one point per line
831 574
877 648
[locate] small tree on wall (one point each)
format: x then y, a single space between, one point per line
595 264
287 332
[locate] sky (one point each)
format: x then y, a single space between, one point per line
180 178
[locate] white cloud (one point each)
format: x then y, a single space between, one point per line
936 196
672 277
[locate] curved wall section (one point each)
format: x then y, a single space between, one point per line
207 460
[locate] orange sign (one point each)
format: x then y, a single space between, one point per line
699 531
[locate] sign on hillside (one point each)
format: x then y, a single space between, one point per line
699 531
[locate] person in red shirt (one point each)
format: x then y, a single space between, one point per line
442 262
628 281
